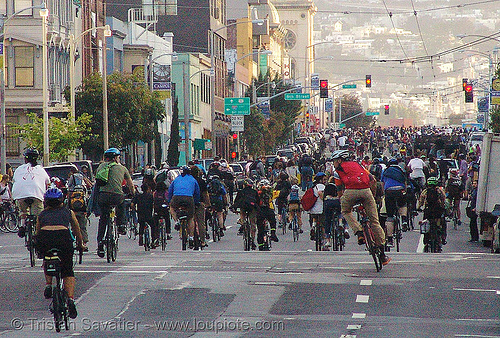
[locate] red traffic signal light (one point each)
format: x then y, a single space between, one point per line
386 109
307 115
233 154
469 93
235 136
323 89
464 83
368 81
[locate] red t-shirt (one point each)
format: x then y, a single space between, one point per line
354 176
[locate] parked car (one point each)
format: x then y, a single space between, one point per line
475 138
79 165
288 153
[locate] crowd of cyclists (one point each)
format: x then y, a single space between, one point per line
393 173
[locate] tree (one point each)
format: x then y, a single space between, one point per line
65 135
351 106
173 145
495 119
133 111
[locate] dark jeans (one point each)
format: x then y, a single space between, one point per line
474 232
263 214
330 209
106 202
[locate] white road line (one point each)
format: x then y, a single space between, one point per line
180 286
477 320
497 277
362 298
127 305
366 282
420 247
475 290
359 315
475 335
348 336
353 327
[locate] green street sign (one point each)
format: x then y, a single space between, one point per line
237 106
297 96
372 113
342 125
348 86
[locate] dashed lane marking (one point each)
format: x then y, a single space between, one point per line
420 247
362 298
366 282
354 327
475 290
359 315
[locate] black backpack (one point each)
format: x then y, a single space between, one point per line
215 187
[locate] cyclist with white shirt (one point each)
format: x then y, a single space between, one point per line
30 181
416 168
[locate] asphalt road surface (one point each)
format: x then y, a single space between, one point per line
291 291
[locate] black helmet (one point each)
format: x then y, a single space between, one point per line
185 170
31 154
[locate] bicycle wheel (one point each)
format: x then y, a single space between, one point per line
318 237
10 222
246 237
146 238
184 237
213 225
163 234
371 248
283 220
335 235
398 232
56 307
295 229
65 314
31 244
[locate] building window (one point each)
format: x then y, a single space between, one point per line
3 7
12 138
23 66
23 4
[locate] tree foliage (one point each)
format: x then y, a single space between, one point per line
495 120
133 111
173 145
351 106
65 135
262 136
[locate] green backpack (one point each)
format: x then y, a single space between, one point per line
101 177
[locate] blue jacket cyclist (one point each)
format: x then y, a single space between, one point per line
184 192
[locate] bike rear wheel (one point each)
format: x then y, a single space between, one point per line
247 241
318 236
146 238
10 222
184 236
371 248
56 308
31 244
295 229
163 234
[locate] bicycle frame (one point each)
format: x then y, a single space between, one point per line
369 238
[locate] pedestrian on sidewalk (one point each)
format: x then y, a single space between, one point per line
471 213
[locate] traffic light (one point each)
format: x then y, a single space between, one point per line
368 81
307 115
386 109
323 89
469 94
234 155
464 83
235 138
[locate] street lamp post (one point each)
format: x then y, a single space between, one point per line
44 13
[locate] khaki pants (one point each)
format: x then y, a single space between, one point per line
350 198
36 207
199 214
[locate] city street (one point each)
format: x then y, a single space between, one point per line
291 291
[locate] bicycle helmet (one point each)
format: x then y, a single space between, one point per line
432 181
111 153
341 154
31 154
185 170
264 183
295 187
393 161
53 197
320 174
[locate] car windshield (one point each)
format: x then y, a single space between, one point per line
477 138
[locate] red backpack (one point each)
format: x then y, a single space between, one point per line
309 199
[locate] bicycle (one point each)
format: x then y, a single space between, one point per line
132 224
456 220
162 228
434 237
397 232
283 218
247 237
9 217
111 239
30 224
318 237
338 236
369 237
214 225
59 305
182 224
295 228
146 237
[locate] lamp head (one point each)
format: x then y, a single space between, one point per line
44 12
107 31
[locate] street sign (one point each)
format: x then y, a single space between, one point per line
297 96
237 106
342 125
495 97
480 118
237 122
329 105
348 86
315 81
372 113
